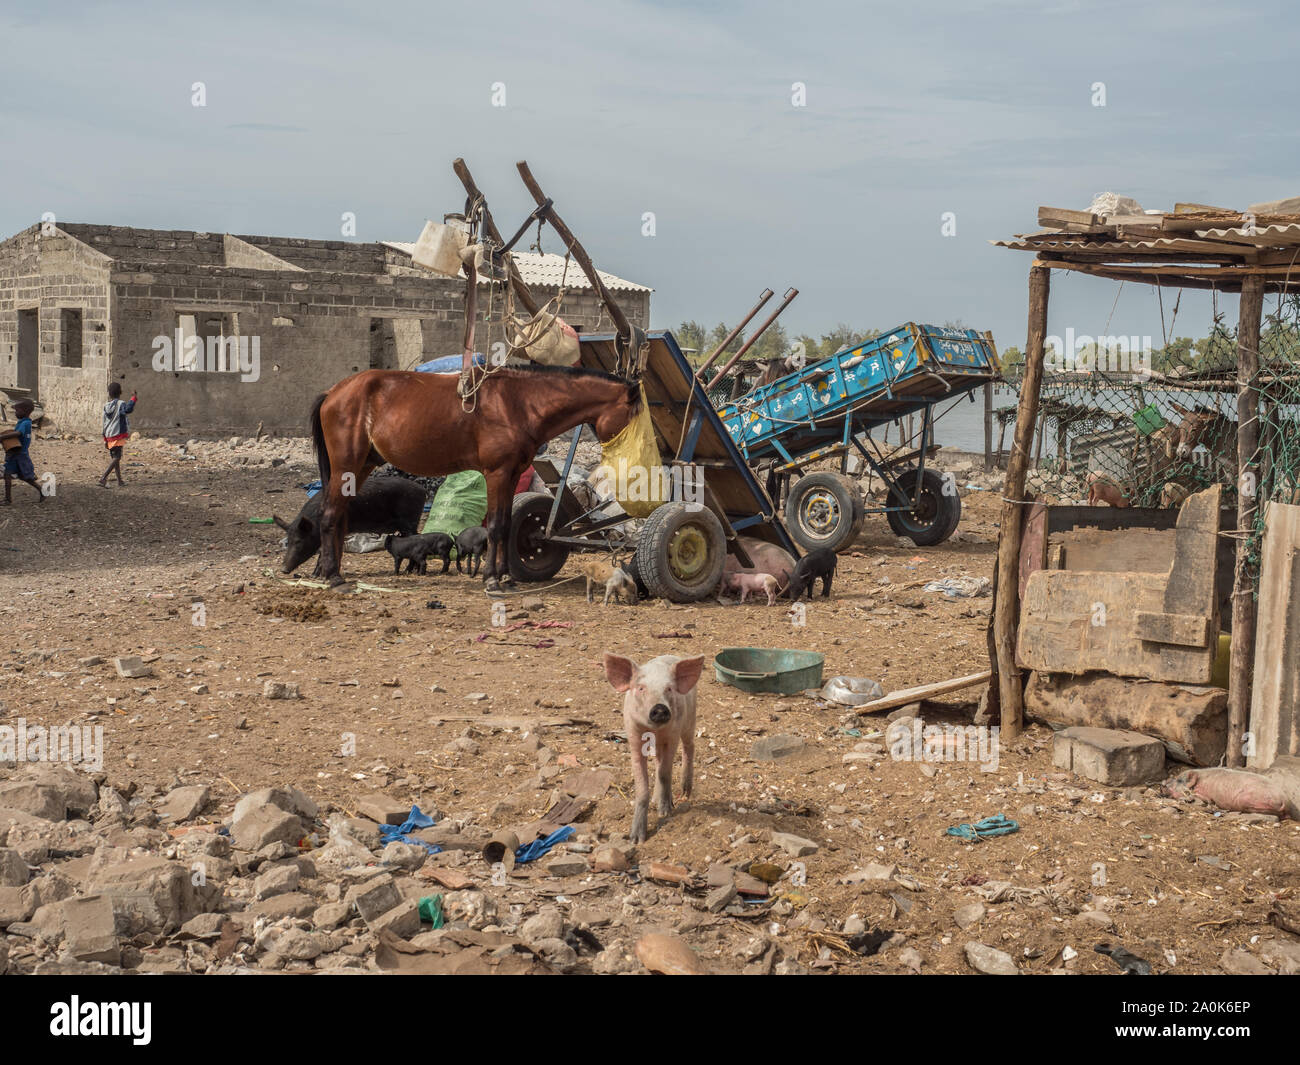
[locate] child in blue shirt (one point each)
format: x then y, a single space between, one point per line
18 463
116 431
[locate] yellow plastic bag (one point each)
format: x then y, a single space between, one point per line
631 460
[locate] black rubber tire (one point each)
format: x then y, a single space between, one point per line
936 515
681 553
824 509
530 557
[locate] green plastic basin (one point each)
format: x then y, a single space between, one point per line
768 669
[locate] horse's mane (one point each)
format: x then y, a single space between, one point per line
579 372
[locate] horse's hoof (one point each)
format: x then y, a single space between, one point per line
507 581
337 581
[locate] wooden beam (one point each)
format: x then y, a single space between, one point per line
1052 216
1006 604
924 691
1202 208
521 290
1243 592
1191 721
578 251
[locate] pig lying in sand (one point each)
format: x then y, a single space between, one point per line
758 583
658 713
764 558
618 582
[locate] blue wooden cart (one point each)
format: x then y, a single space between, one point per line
828 409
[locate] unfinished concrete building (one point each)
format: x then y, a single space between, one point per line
221 332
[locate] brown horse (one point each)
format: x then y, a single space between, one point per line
416 422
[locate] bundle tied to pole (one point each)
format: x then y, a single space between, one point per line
546 338
631 462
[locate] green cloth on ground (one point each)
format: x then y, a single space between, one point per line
430 907
461 503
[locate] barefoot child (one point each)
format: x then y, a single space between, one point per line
116 432
18 462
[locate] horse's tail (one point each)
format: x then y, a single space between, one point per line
318 441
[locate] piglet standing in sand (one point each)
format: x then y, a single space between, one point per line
752 583
658 713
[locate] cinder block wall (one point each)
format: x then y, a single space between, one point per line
312 328
48 273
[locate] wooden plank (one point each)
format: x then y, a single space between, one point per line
1185 630
505 722
1048 216
1275 699
1033 547
1191 721
1134 550
1196 544
1202 208
924 691
1287 206
1077 622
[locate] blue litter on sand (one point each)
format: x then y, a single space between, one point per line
532 851
997 825
402 833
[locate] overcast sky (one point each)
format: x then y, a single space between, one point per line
983 109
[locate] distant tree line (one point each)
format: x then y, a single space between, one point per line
775 343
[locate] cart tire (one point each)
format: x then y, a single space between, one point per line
824 510
681 553
937 512
530 556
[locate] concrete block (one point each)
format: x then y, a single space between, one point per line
1109 756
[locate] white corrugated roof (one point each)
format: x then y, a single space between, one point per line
546 271
1284 234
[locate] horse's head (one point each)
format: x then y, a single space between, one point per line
615 416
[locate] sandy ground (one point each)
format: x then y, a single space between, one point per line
108 572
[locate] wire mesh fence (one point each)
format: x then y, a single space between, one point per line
1148 429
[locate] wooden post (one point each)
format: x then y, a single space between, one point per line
579 253
988 426
1242 664
1006 605
521 290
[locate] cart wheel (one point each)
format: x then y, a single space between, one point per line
681 552
530 556
935 515
824 510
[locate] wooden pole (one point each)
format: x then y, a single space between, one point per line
767 295
1006 605
522 292
579 252
1242 663
988 426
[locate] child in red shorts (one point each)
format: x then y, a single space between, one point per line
116 431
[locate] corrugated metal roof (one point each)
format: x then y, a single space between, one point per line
1282 234
546 271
